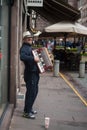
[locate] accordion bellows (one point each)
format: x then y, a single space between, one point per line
45 62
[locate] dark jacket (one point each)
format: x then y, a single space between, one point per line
27 57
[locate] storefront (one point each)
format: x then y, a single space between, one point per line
3 56
12 24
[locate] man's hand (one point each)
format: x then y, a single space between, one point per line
36 59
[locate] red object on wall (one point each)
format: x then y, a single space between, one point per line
0 56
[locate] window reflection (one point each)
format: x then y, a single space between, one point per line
3 55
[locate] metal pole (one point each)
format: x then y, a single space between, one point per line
56 68
82 69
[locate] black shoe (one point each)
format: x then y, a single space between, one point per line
29 115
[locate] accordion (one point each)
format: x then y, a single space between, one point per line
45 62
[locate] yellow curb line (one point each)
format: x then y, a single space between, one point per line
77 93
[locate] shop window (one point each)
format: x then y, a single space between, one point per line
3 56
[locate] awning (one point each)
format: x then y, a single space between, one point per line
66 27
57 10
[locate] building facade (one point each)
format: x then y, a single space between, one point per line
4 25
82 6
12 23
73 3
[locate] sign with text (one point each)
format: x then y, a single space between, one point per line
35 3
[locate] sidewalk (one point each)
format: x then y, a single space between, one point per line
79 83
55 100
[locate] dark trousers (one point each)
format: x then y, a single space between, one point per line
31 91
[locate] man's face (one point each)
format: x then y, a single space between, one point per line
29 40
